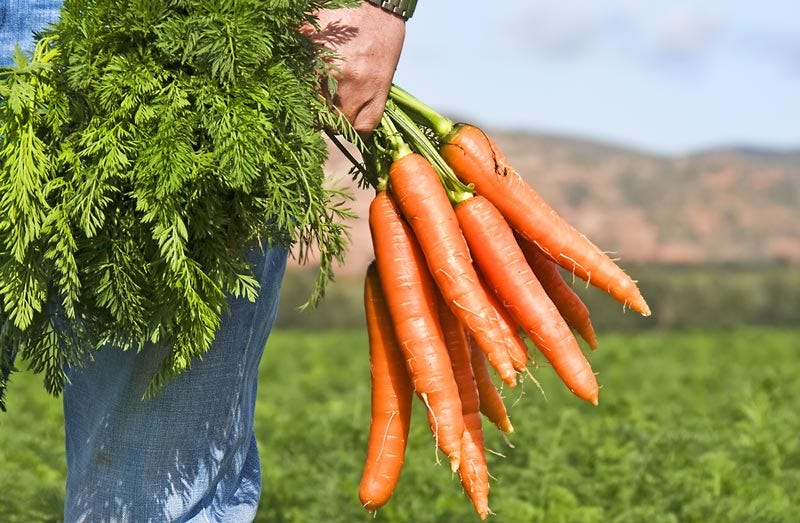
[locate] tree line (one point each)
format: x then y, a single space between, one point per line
680 296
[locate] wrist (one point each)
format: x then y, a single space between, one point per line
402 8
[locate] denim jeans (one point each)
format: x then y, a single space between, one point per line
189 453
19 19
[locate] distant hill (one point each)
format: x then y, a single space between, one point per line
734 204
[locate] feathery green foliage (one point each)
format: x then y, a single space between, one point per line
145 146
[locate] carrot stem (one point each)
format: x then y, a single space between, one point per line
376 166
440 125
398 146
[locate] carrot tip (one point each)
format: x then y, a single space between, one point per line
641 307
455 461
510 380
590 396
506 426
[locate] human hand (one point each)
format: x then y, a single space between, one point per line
367 41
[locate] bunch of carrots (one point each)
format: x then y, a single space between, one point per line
466 256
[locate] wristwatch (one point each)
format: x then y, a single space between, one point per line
402 8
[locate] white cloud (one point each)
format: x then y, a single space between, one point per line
684 33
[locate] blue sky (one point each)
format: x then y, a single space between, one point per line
665 76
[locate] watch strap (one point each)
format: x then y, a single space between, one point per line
402 8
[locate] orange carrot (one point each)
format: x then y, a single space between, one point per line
517 349
491 402
426 207
503 264
473 471
476 160
392 392
568 303
410 297
458 350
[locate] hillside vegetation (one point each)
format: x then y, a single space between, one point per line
725 205
681 296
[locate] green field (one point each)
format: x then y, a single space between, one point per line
691 427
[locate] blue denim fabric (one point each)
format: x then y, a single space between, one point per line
187 454
18 21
